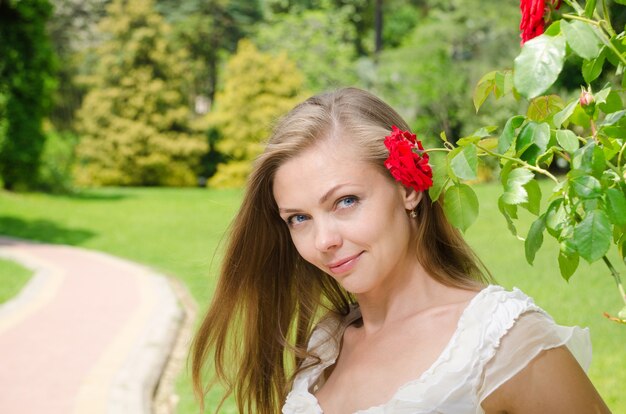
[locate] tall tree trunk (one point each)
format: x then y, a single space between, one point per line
378 27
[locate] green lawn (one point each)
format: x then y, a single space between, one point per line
13 277
178 231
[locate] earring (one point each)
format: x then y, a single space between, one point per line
413 214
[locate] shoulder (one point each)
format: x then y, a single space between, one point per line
553 382
528 353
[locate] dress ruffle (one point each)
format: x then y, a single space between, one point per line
482 354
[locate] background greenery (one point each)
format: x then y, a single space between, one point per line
13 277
141 93
178 231
183 92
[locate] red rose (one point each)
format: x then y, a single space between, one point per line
406 162
533 12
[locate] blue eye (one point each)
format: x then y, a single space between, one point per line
347 202
296 219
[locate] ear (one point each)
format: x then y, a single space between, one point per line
412 198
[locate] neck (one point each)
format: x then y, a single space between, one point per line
407 294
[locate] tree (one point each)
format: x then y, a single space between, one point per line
26 84
258 88
209 29
73 33
135 121
320 42
430 76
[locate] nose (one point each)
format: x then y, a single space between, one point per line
327 236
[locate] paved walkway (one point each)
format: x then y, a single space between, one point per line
90 333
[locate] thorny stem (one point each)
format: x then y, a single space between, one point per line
524 163
616 276
594 131
582 19
426 151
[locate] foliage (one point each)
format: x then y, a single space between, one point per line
26 84
135 120
320 42
258 88
209 30
14 277
57 161
359 13
452 44
586 209
73 32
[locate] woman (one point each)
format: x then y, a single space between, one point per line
344 289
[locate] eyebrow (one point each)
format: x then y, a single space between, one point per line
322 199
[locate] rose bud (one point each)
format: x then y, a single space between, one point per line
587 102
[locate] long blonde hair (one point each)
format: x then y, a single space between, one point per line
265 305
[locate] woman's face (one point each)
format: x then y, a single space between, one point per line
346 216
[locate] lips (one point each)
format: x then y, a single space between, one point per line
345 264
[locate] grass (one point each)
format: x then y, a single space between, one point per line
13 277
177 231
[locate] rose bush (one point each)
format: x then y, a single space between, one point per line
586 209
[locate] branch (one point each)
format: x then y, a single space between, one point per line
521 162
616 276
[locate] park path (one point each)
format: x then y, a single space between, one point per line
90 333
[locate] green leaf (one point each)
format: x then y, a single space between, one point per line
464 164
592 236
509 212
567 140
534 197
586 186
579 117
539 65
556 217
600 97
589 159
461 206
532 141
593 68
581 38
612 118
514 191
438 162
508 133
554 29
590 7
504 83
443 136
534 239
612 104
546 158
489 143
568 264
484 87
560 117
472 139
543 107
616 206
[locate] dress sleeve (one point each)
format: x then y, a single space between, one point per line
533 332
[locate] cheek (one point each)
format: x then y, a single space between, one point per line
303 245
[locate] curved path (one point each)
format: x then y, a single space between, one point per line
90 333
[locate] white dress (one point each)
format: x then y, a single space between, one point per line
497 335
